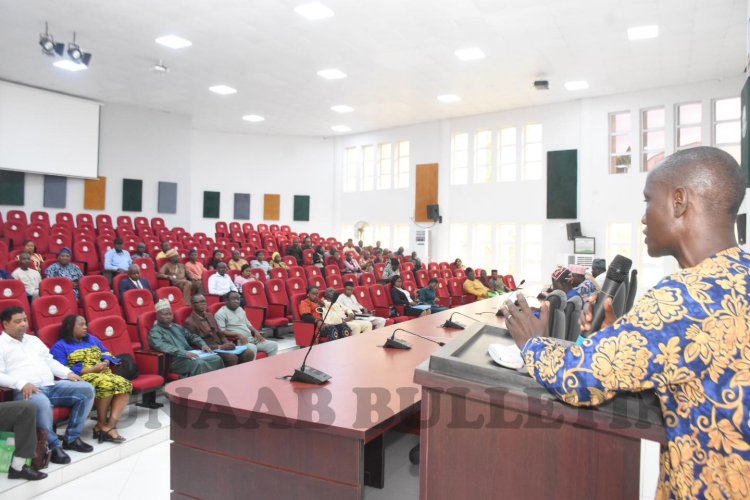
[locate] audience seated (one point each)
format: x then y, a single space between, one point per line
402 297
194 267
338 313
598 272
416 261
233 321
310 311
64 269
203 324
319 257
277 262
140 252
29 276
428 296
220 283
87 357
475 287
495 283
27 366
180 344
174 271
351 265
295 250
218 256
134 282
236 263
116 261
350 302
583 286
260 262
36 259
245 276
394 269
164 250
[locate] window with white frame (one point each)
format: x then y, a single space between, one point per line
726 125
507 154
459 242
460 158
619 240
401 237
385 165
402 165
383 235
367 236
505 245
620 150
483 156
347 231
652 138
352 162
531 253
688 133
532 152
367 182
482 246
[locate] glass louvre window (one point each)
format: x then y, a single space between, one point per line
652 138
689 118
620 152
460 158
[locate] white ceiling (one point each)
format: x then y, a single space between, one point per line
398 55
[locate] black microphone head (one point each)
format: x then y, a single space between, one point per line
441 343
522 282
619 268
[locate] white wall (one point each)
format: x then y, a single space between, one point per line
258 164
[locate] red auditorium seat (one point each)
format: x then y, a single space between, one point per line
182 314
49 334
51 310
85 253
100 304
295 286
135 303
332 270
422 278
113 333
15 232
40 236
17 216
58 286
65 218
362 293
307 256
91 284
509 282
40 218
317 281
255 298
456 290
368 279
279 273
145 322
148 271
125 221
336 282
84 220
102 221
303 332
3 252
58 241
259 274
173 295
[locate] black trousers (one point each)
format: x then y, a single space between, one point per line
19 417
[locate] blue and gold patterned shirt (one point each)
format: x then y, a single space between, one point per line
687 339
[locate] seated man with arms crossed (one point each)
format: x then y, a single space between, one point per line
233 321
350 302
27 366
203 323
175 341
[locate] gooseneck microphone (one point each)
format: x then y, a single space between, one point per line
617 273
449 323
308 374
393 343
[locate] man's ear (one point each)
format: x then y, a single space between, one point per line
679 201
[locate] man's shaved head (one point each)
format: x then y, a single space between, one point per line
711 174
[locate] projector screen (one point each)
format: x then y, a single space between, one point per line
47 133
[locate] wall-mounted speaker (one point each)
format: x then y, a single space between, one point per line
574 230
433 213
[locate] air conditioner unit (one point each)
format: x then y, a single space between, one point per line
422 245
577 259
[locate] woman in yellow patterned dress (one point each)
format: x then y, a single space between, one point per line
87 357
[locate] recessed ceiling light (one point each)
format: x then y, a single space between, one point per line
643 32
253 118
331 74
313 11
471 54
341 128
173 42
222 90
448 98
69 65
577 85
342 108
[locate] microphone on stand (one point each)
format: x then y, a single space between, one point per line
617 273
393 343
449 323
518 287
308 374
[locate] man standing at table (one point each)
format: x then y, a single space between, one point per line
687 339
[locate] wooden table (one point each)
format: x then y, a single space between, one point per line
269 438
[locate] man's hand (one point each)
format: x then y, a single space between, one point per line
205 348
259 337
191 355
73 377
228 346
521 323
28 390
587 316
349 317
242 340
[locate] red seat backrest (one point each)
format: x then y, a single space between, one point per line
279 273
51 310
49 334
84 251
172 294
58 286
333 269
145 323
455 287
368 279
335 282
100 304
148 271
259 274
442 289
379 296
362 293
317 281
91 284
136 302
295 286
255 294
422 278
113 332
276 292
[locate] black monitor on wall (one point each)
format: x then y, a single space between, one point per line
574 230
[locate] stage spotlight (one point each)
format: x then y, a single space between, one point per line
76 54
48 45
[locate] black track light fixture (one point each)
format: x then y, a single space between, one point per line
76 54
48 45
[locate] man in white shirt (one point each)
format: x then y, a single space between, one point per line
220 283
350 302
29 276
27 366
